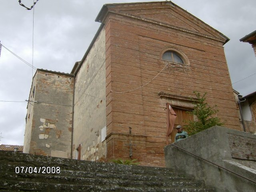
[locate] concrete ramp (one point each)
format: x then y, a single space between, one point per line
223 158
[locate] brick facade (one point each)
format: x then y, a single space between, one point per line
122 84
136 37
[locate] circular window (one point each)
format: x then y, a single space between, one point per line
172 56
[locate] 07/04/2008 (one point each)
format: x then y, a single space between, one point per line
37 170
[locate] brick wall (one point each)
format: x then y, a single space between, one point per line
11 148
251 125
49 115
134 48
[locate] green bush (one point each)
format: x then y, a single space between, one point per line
205 115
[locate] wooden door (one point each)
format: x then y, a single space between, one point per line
182 117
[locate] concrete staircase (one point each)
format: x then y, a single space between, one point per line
88 176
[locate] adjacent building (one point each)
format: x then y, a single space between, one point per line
248 102
112 105
16 148
250 38
49 114
248 112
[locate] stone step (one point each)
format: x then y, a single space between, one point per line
115 171
134 173
94 166
120 181
90 176
45 187
71 164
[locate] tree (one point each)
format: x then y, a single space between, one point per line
204 114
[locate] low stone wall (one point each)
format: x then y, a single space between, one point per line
222 157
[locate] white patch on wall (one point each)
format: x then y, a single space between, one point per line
42 120
41 128
103 133
43 136
246 111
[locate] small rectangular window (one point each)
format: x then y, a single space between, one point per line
33 92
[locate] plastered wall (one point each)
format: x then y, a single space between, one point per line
90 104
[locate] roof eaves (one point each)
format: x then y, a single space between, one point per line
104 10
250 94
56 72
246 38
78 65
102 13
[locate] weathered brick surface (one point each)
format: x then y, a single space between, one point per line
18 148
49 115
135 47
117 84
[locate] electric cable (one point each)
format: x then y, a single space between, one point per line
27 63
243 78
4 101
33 37
140 87
89 85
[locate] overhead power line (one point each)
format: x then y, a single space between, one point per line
27 63
4 101
33 38
140 87
244 78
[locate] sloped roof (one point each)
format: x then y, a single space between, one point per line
154 12
251 98
250 37
55 72
250 94
142 10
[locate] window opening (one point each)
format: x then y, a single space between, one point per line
182 116
172 56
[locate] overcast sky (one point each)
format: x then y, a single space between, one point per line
63 30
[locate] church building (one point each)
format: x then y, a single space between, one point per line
144 57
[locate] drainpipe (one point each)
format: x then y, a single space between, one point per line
240 109
73 111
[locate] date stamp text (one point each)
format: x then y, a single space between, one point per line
37 170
